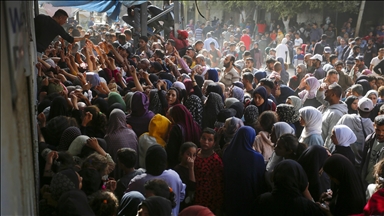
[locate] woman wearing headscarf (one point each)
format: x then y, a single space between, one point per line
196 210
157 134
115 97
154 101
257 55
237 93
311 120
295 80
229 101
66 190
307 91
212 75
119 136
374 96
283 73
261 101
262 143
286 198
342 137
226 134
192 101
59 107
94 122
129 203
312 160
239 107
55 128
351 102
365 84
244 170
349 198
154 206
184 129
67 137
258 76
251 116
282 49
212 107
156 163
285 113
215 87
296 103
140 116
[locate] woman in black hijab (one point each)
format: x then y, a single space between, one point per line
129 203
286 198
312 161
155 206
59 107
239 107
349 198
351 102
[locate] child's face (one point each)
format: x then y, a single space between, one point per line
207 141
189 153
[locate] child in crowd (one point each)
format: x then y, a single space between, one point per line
209 173
186 171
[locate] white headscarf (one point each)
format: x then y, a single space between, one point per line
283 128
314 84
344 135
178 84
313 121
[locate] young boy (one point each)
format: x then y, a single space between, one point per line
209 173
298 58
127 158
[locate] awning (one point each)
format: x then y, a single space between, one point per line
111 7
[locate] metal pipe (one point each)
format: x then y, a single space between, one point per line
160 14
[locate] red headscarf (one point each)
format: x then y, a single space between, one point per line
183 117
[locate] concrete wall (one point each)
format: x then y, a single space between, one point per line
18 131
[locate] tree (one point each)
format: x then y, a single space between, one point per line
287 9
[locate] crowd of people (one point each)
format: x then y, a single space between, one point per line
209 124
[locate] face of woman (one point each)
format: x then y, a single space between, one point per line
373 98
307 87
298 69
333 138
258 100
354 104
189 154
143 211
171 96
281 151
302 122
289 101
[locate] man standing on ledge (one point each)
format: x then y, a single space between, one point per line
47 28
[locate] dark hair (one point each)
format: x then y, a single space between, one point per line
354 48
247 53
95 161
159 53
188 60
172 42
127 157
381 110
332 71
371 78
121 37
248 76
212 43
266 120
332 57
270 60
336 89
128 32
185 146
144 38
60 13
160 188
208 130
290 142
75 32
250 59
267 82
104 203
339 63
379 120
199 41
99 119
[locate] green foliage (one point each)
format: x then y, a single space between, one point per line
290 8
